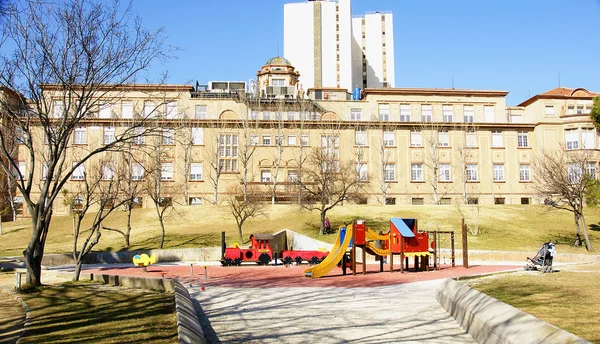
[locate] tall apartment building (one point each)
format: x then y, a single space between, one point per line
373 50
331 49
317 41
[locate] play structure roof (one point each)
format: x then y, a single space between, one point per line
402 228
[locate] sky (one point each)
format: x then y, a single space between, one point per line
521 46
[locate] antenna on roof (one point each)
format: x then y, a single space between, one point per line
558 79
277 48
453 81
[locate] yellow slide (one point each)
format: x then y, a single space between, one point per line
333 258
374 250
372 235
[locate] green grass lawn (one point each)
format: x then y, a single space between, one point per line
96 313
503 227
568 299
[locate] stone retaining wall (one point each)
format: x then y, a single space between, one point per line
491 321
189 330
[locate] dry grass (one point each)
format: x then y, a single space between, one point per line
93 313
508 227
568 299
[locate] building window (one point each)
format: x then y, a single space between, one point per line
443 139
426 113
330 149
172 110
292 176
497 139
469 114
384 112
197 136
471 139
291 115
165 201
416 172
405 113
522 139
549 110
471 170
388 138
149 110
304 140
472 200
105 111
355 115
416 139
447 113
277 82
253 140
579 109
196 171
390 201
445 173
228 152
525 200
126 109
499 200
195 201
572 138
109 135
59 109
571 110
166 171
137 171
200 111
524 174
498 172
291 141
590 169
279 139
360 137
20 171
108 171
79 136
361 172
265 176
138 202
138 133
418 201
488 113
21 135
587 138
266 115
389 172
168 136
78 172
266 140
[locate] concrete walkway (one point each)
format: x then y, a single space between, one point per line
405 313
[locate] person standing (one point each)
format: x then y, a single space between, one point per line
327 226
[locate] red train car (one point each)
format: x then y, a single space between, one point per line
262 253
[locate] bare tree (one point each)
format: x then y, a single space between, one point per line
74 52
432 132
98 190
218 152
248 143
159 184
278 154
562 180
327 181
244 210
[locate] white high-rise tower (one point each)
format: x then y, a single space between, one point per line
330 48
317 40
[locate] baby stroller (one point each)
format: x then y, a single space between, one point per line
543 258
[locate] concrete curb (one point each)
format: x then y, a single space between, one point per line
189 330
491 321
26 309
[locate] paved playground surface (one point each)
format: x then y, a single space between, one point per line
276 304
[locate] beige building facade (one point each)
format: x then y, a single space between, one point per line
409 145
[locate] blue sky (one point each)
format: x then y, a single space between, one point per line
519 46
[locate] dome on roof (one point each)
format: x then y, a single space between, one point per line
278 61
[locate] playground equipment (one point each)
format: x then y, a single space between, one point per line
402 239
543 258
261 252
143 260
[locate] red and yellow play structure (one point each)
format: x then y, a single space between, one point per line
402 240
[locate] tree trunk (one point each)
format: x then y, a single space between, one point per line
588 243
323 215
128 231
34 252
576 218
0 225
240 232
77 271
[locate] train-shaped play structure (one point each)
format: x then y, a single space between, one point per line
262 252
